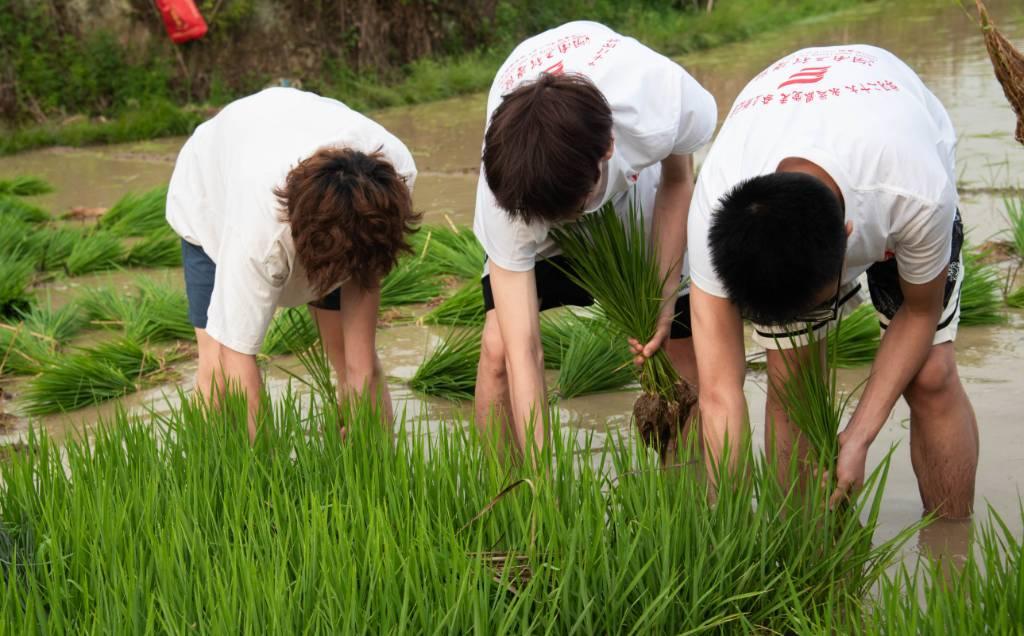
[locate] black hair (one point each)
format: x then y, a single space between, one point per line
776 241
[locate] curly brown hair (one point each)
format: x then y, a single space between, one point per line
350 215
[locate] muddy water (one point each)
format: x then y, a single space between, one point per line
933 36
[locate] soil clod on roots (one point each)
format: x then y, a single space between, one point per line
659 420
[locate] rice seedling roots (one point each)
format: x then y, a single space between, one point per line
659 420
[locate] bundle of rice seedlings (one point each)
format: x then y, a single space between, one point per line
857 342
151 313
57 243
15 277
61 325
291 331
25 186
21 241
16 209
94 252
1014 207
556 331
158 249
137 214
449 371
980 292
411 281
90 376
451 249
1008 64
614 261
463 308
23 352
596 360
1016 299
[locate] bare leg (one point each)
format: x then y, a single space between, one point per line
209 365
493 402
943 436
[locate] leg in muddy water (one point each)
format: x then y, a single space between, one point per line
943 436
781 438
492 402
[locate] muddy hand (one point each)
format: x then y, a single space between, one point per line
643 351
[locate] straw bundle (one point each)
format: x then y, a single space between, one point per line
1008 63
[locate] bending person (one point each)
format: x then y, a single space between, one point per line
577 116
836 162
286 198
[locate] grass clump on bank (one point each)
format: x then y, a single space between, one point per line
449 371
418 532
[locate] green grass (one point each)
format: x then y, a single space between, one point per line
59 324
137 214
856 343
596 360
22 352
95 252
1014 208
56 245
1015 298
167 523
292 330
614 261
980 293
411 281
89 376
465 308
160 248
556 331
25 186
449 371
452 250
14 208
20 241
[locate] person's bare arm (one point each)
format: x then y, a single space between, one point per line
721 366
518 313
671 210
358 323
239 371
903 351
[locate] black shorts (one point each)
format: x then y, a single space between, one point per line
555 289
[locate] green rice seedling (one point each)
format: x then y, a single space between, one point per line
15 278
56 245
597 360
1014 207
12 208
615 262
449 371
556 331
137 214
22 351
89 376
95 252
301 533
1015 299
60 325
410 282
980 292
20 241
25 186
157 249
464 308
451 249
153 312
857 342
291 331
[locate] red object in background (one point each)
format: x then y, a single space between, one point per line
182 20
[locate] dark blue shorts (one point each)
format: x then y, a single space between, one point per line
200 272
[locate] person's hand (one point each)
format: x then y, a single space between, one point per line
644 350
853 455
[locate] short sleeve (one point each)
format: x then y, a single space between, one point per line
246 289
924 238
510 244
697 118
698 226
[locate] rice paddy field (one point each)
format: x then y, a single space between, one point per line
127 507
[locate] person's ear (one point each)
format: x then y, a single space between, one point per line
849 228
611 150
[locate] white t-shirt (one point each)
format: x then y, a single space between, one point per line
870 122
221 198
658 110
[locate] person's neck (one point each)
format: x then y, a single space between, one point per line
798 164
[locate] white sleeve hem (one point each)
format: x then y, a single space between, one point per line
708 286
512 265
919 279
232 343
